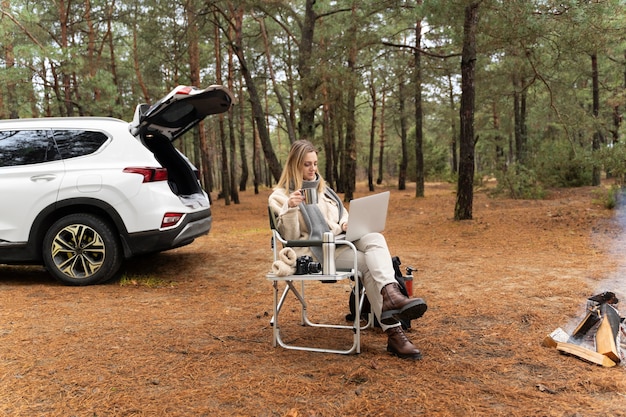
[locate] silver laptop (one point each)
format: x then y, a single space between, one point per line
367 215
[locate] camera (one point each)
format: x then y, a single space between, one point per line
305 265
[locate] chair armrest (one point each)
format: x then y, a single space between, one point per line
308 243
303 243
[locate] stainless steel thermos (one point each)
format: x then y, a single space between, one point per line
328 249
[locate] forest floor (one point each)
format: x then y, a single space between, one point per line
187 332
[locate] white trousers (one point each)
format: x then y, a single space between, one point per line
376 268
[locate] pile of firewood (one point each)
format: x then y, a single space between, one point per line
600 337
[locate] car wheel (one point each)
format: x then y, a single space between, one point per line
81 249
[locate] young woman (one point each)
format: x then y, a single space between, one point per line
297 220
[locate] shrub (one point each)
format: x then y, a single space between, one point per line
519 182
609 198
558 164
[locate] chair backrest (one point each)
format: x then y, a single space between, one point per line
278 242
272 218
275 235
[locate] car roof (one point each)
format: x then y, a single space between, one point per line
58 121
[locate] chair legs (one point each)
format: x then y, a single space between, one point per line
299 293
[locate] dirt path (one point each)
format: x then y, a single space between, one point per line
189 335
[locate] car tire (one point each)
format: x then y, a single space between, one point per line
81 249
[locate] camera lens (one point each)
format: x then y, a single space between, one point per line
315 267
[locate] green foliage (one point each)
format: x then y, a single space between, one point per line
436 154
563 164
609 198
614 159
519 182
121 54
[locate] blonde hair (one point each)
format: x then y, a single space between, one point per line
291 178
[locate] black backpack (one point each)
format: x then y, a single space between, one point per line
365 311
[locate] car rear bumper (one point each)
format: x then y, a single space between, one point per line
192 226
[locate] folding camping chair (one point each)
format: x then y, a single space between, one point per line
299 291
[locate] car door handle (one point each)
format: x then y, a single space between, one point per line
43 177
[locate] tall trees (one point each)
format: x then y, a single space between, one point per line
200 138
351 96
8 98
291 133
465 186
237 45
308 76
598 137
548 80
419 128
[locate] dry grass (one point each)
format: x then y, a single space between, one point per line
200 344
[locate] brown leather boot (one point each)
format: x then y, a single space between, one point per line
400 345
397 306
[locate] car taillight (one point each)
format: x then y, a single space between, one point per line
186 90
170 219
149 174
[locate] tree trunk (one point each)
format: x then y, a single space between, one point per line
370 161
516 122
350 153
234 193
112 58
519 113
419 132
243 180
350 148
454 162
279 97
255 101
327 137
465 187
340 156
403 135
291 84
11 97
500 155
597 136
64 43
200 142
226 173
256 158
92 58
381 152
308 83
523 124
136 63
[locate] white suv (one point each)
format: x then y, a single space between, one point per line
80 195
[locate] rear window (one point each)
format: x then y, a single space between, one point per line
25 147
75 143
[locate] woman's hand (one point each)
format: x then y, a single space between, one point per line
344 227
295 199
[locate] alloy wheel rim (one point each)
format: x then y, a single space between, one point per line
78 251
